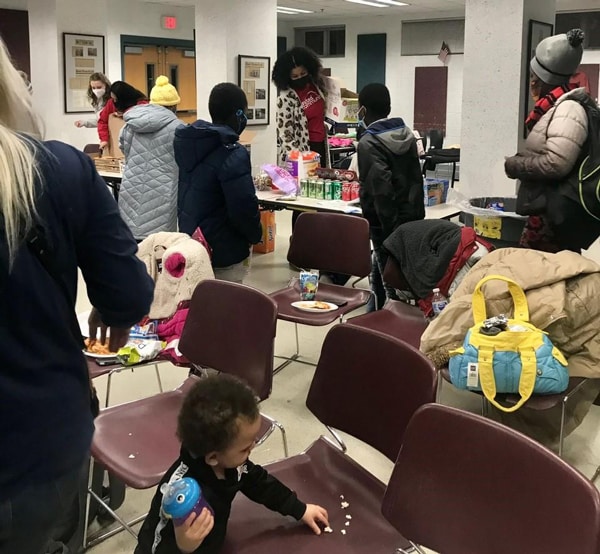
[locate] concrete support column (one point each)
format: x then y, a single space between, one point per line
225 29
493 112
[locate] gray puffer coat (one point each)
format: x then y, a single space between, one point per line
148 197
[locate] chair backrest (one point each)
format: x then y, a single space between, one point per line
91 149
231 328
436 139
369 385
331 242
463 484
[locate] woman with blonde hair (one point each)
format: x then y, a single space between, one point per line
56 214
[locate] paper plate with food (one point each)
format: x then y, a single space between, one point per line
315 306
95 349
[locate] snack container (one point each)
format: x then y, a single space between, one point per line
309 283
181 498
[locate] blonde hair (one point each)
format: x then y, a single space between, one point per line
18 167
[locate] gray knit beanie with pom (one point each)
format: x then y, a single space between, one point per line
557 57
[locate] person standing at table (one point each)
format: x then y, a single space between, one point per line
216 190
57 216
391 183
99 94
122 97
300 104
148 194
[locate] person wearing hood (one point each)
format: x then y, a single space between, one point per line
391 183
216 190
558 132
148 196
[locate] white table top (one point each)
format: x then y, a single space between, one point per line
441 211
110 174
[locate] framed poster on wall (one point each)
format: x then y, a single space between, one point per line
254 75
538 31
83 55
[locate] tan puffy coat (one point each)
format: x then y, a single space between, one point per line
554 144
563 293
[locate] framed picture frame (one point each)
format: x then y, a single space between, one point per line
83 55
538 31
254 77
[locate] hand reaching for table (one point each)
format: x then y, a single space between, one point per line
313 516
118 335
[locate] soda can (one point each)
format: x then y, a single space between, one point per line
328 191
312 188
355 191
304 187
337 190
320 189
346 189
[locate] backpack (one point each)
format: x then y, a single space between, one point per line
589 170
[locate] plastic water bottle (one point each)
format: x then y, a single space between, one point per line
438 302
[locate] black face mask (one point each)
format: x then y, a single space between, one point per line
298 84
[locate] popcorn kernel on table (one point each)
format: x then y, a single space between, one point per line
344 505
328 530
343 531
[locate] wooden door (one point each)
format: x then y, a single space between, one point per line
180 68
143 64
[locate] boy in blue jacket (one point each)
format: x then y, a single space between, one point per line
216 190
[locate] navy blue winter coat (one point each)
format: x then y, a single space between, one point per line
216 191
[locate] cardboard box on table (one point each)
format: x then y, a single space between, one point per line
341 105
113 158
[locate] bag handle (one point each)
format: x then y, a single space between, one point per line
526 381
517 293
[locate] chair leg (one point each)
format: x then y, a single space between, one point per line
283 437
293 358
596 475
108 389
160 387
438 392
414 548
88 501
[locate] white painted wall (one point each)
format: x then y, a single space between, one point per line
400 70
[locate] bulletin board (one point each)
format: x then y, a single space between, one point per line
83 55
254 75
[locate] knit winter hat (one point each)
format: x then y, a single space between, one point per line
557 57
164 93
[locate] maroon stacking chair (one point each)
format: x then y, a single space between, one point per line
137 443
465 485
231 328
368 385
396 318
334 243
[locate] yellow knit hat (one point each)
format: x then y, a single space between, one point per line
164 93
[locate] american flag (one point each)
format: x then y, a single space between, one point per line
444 52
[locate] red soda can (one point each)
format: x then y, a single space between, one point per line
355 191
346 191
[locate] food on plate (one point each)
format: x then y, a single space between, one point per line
321 305
94 346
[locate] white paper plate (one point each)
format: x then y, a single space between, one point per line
308 306
99 356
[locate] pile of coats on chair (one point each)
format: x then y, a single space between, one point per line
177 263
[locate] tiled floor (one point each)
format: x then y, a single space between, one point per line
269 272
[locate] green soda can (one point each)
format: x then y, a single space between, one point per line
304 187
337 190
312 188
328 190
320 189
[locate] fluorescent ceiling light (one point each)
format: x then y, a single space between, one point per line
283 9
393 2
374 4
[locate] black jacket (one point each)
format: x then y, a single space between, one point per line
45 419
254 481
216 191
391 183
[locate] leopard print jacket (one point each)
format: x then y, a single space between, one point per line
292 125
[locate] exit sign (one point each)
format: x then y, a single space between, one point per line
169 22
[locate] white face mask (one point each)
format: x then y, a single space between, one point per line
99 92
